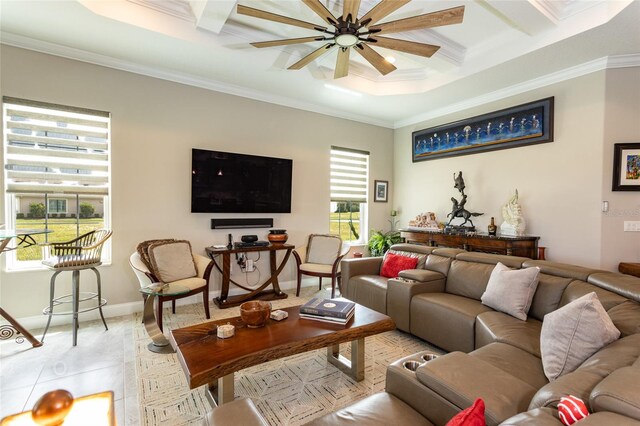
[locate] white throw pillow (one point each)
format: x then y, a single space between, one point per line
573 333
511 290
172 261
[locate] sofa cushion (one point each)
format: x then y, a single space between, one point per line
172 260
626 317
548 295
378 409
470 416
438 263
624 285
498 327
577 289
515 361
239 411
621 353
446 320
468 279
511 290
394 263
460 379
573 333
537 417
618 393
397 250
370 291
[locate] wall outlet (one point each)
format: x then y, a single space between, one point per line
249 265
631 226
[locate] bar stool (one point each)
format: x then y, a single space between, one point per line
76 255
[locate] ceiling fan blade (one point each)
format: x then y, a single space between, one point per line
256 13
287 41
321 11
428 20
415 48
350 7
382 9
342 65
312 56
375 59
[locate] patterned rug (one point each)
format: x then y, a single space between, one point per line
289 391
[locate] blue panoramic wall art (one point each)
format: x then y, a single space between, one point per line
527 124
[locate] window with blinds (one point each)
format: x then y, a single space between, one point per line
56 170
349 181
54 149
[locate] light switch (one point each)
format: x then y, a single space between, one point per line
631 226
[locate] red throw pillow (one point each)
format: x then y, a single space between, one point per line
471 416
394 263
571 409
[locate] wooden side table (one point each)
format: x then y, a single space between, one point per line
226 301
629 268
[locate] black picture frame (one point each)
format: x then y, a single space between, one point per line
626 167
526 124
381 191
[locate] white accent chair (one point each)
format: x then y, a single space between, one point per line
199 284
321 258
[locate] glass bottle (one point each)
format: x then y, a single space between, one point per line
492 228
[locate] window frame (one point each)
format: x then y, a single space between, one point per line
12 205
363 203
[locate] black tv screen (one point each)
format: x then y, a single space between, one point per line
225 182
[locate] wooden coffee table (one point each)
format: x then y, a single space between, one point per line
206 359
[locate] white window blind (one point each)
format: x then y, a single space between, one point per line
55 149
349 174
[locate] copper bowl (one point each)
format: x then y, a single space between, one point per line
278 236
255 313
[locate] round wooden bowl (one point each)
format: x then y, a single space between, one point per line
255 313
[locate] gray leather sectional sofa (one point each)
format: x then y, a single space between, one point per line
493 355
490 354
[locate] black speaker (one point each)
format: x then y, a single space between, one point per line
249 238
241 223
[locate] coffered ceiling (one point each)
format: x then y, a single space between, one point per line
502 47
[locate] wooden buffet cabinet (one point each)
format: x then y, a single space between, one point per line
525 246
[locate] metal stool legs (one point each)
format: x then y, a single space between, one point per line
49 312
74 299
100 297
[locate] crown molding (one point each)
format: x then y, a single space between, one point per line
182 78
609 62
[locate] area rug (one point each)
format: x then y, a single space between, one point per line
289 391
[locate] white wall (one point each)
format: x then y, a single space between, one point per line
155 124
622 125
561 184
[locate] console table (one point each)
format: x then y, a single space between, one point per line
525 246
226 301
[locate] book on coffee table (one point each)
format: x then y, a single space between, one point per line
329 308
332 320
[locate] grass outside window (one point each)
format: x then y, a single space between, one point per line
63 230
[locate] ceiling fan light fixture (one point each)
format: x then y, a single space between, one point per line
346 40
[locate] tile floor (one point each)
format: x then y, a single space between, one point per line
102 360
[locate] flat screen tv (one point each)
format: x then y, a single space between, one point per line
225 182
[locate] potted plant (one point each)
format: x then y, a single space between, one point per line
380 242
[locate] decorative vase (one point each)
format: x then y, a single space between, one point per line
278 236
492 228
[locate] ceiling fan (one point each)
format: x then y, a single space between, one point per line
348 31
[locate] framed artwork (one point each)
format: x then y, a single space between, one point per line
626 167
527 124
381 191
